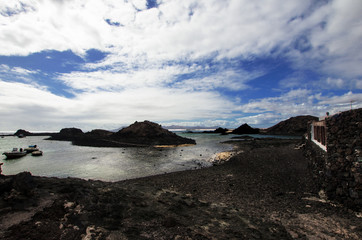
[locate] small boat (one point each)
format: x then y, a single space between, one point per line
37 153
31 148
15 153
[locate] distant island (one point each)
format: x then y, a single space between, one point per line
146 133
138 134
294 126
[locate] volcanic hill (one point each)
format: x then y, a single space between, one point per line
149 133
293 126
139 134
246 129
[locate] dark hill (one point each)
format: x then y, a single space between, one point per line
22 132
139 134
99 133
292 126
149 133
220 130
67 134
246 129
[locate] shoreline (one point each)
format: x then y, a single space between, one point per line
266 191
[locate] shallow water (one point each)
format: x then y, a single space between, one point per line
62 159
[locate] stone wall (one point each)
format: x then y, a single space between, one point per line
339 169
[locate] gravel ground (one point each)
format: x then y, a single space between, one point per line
264 192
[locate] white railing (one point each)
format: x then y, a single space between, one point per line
319 134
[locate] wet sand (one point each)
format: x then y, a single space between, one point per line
264 192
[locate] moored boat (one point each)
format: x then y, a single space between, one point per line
15 153
37 153
31 148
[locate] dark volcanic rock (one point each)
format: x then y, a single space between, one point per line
24 183
22 132
71 132
221 130
99 133
149 133
292 126
68 134
255 195
95 138
246 129
218 130
139 134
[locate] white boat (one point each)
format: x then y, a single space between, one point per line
37 153
15 153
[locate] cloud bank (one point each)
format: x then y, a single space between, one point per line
196 62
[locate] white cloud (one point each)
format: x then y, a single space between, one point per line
263 119
16 70
113 80
345 99
25 106
189 29
297 102
294 102
358 84
148 49
332 82
139 4
336 41
225 79
16 74
176 29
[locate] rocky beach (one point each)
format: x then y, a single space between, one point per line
265 191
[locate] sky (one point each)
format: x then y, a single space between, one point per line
107 63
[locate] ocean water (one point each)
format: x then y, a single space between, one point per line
62 159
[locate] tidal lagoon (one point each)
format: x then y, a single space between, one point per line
62 159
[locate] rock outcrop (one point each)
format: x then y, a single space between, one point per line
67 134
246 129
149 133
99 133
22 132
293 126
222 131
139 134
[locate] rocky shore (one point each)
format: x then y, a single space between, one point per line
266 191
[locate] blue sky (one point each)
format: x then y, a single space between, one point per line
105 64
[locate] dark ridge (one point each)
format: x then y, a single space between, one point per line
246 129
139 134
149 133
292 126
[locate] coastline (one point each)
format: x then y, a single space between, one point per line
265 191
